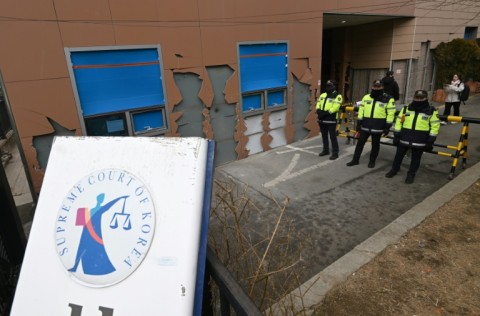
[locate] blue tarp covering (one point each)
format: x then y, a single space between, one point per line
117 80
147 120
263 66
252 102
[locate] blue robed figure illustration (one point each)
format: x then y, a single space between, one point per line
91 249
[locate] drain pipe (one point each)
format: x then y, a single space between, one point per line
409 75
407 88
432 83
425 64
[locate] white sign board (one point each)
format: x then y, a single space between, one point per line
118 228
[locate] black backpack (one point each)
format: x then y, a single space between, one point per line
465 93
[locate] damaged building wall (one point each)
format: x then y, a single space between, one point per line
39 86
199 60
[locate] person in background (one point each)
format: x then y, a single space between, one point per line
375 117
453 89
328 104
390 86
416 128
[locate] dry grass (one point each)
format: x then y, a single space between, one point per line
432 270
258 244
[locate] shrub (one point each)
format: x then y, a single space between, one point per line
458 56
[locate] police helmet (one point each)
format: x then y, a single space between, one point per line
331 84
377 84
420 95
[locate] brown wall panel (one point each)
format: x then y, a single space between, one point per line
181 47
206 93
31 51
125 10
315 66
377 6
232 86
86 34
372 45
26 10
403 37
240 138
299 68
177 11
85 10
136 34
219 45
36 100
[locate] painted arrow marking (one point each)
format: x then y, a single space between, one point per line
287 174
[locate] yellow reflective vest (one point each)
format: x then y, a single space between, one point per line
417 127
327 108
376 114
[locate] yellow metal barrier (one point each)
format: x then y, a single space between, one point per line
347 116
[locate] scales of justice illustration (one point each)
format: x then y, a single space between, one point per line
138 227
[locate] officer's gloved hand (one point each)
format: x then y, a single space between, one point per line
386 130
429 144
359 125
321 114
396 138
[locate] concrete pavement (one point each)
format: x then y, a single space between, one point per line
352 213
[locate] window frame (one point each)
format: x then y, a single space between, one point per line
128 113
470 33
264 107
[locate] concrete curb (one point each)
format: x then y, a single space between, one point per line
312 292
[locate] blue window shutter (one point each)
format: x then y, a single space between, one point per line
263 66
117 80
276 98
144 121
252 102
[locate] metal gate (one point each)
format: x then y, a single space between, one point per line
13 177
5 125
362 81
12 244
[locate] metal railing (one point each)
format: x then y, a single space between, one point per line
232 296
347 117
12 244
5 125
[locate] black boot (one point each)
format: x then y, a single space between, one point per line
352 163
371 164
409 179
324 153
333 156
390 174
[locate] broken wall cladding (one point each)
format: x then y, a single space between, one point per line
201 109
191 117
201 102
213 117
219 119
43 143
42 71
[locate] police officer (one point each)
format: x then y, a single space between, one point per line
390 86
328 104
375 117
416 128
